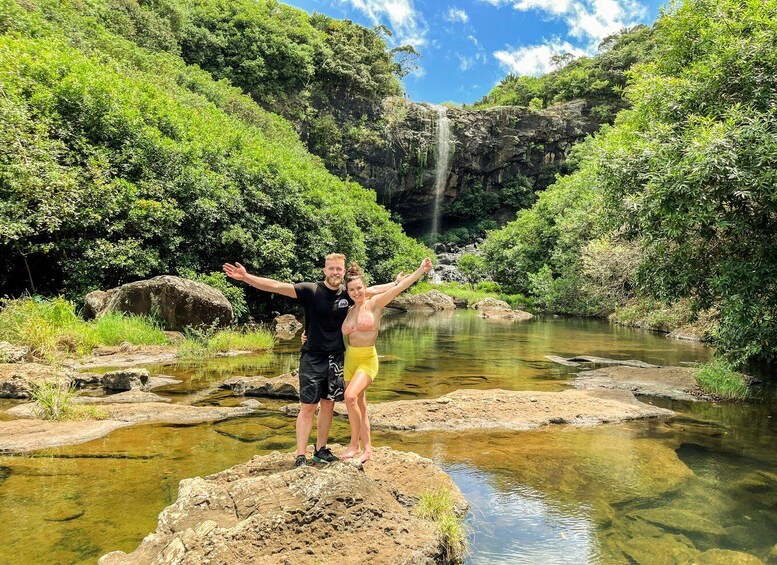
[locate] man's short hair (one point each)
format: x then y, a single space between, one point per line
334 257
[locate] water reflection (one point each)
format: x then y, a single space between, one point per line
706 479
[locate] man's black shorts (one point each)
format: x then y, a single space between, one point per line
321 377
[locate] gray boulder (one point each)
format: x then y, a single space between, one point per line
125 379
176 301
10 353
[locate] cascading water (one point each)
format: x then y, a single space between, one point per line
442 166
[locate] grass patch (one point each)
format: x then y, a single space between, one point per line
470 296
719 379
54 401
207 341
51 328
439 506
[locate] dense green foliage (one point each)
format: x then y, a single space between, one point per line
678 199
118 161
599 79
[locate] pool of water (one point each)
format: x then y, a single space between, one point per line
705 479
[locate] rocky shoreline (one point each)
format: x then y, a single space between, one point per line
266 511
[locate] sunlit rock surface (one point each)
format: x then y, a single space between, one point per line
266 511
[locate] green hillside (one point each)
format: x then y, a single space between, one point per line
120 161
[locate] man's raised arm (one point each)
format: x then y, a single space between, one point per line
239 273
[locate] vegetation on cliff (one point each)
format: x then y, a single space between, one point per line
118 161
599 79
677 199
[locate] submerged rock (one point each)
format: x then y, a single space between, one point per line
265 511
31 434
683 521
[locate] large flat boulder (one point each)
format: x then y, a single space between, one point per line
265 511
176 301
676 383
431 301
32 434
494 309
516 410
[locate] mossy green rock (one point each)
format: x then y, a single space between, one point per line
666 550
724 557
680 520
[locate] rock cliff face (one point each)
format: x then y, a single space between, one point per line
498 157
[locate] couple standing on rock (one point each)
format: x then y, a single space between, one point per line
341 326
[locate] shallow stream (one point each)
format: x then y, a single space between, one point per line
641 492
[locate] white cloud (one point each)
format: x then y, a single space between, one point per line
465 63
588 20
534 59
456 15
406 23
473 39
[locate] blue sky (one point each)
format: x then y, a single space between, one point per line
468 46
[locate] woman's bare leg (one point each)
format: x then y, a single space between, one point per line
353 391
364 431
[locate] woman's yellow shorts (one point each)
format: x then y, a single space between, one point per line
361 359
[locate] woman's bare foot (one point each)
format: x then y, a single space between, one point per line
349 453
366 456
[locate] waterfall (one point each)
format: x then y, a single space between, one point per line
442 165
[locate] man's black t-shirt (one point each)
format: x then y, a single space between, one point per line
325 312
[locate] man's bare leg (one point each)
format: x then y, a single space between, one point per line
325 415
305 425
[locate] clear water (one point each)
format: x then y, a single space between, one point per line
642 492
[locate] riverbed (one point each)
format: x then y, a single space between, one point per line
703 480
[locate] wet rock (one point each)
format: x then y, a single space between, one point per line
158 381
771 558
672 549
562 361
725 557
176 301
499 310
129 396
607 361
10 353
265 511
251 403
32 434
286 326
664 382
284 386
431 301
680 521
125 379
517 410
83 380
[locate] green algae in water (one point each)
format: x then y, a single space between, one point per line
551 496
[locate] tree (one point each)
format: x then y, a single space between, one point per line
472 267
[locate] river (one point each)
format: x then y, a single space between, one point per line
645 492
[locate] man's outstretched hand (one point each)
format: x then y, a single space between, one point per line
236 271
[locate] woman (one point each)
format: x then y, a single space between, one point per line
360 330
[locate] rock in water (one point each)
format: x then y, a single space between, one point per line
265 511
176 301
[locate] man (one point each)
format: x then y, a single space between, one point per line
321 382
